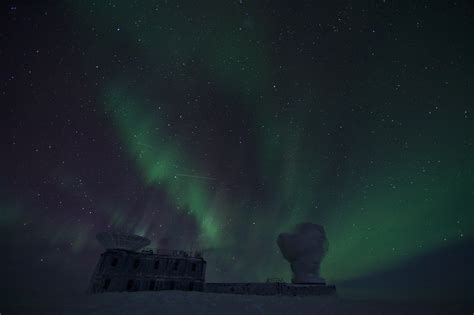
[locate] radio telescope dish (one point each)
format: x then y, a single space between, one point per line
117 240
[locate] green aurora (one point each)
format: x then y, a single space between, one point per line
401 202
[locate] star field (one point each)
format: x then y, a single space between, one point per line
217 125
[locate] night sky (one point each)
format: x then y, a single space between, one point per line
216 125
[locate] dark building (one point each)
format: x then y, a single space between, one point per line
121 268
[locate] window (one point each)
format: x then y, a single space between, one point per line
102 264
193 268
106 284
114 262
152 285
176 264
136 263
157 264
130 285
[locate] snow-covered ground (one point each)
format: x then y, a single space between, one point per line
195 303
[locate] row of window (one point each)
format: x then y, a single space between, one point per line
136 264
171 285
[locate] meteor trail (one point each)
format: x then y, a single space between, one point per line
194 176
178 175
145 145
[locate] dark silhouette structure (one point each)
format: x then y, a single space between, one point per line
122 269
304 249
271 288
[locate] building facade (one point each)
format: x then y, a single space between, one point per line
124 270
